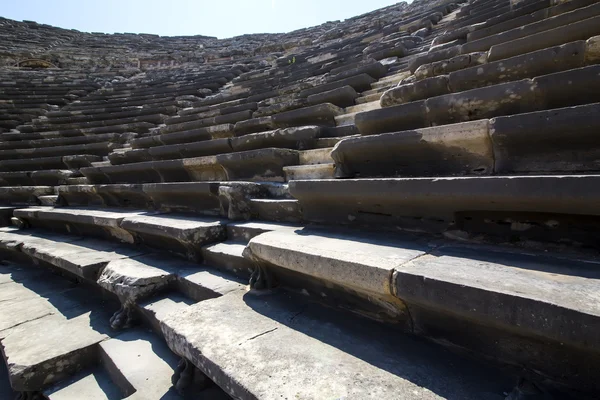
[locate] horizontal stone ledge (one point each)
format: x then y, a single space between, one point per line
36 178
581 30
411 202
510 98
322 115
458 149
358 264
557 140
554 59
570 23
24 195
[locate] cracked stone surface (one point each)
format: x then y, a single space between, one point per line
306 351
48 328
134 278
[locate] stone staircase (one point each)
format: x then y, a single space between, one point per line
402 205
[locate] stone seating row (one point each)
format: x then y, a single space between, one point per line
565 22
382 279
465 73
560 140
143 278
526 95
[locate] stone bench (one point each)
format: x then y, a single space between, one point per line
571 21
28 144
67 117
478 204
36 178
24 195
526 95
100 149
152 118
445 286
179 234
195 135
502 145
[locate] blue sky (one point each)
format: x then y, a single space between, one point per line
221 18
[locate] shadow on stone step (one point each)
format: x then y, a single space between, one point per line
422 363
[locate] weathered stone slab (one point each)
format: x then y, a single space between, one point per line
84 258
177 233
434 203
458 149
258 165
487 102
326 355
423 89
537 310
557 140
303 137
186 150
50 330
580 30
569 88
341 97
253 125
199 197
360 83
144 361
322 115
353 262
33 164
541 62
133 279
391 119
24 195
102 222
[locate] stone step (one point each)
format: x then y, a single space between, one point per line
141 364
373 105
345 119
314 171
458 74
50 328
502 145
227 256
24 195
444 286
315 156
278 210
325 348
530 95
488 205
181 234
329 142
93 384
244 231
52 177
368 99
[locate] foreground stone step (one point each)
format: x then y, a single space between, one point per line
49 329
328 350
444 287
93 385
141 364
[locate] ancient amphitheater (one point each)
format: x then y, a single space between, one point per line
402 205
